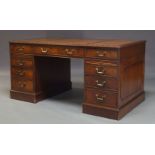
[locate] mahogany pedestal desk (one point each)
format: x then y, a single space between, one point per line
113 72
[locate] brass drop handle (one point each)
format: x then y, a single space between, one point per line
100 54
100 84
68 51
100 72
98 98
20 63
20 49
44 51
21 73
22 85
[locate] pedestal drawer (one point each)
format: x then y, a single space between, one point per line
98 69
47 50
100 82
22 85
101 98
21 62
74 52
20 49
102 53
22 73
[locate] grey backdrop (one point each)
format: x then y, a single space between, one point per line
149 36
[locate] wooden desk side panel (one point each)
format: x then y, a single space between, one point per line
132 62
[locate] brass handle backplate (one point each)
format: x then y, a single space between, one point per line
20 73
20 49
69 52
99 72
100 98
20 63
44 51
21 84
100 84
101 54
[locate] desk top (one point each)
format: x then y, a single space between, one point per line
80 42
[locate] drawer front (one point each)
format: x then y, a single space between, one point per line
22 73
101 98
22 85
21 62
74 52
20 49
58 51
47 50
104 70
102 83
102 53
